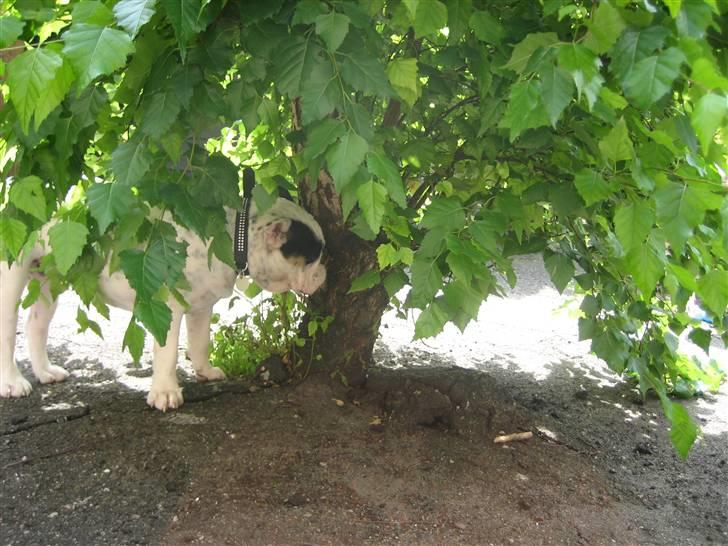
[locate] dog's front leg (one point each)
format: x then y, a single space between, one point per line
165 392
198 350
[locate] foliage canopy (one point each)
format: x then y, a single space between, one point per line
457 133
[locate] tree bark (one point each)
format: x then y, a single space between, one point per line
346 347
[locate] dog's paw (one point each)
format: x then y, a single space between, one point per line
209 373
51 374
164 399
14 387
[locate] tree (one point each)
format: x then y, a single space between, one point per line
433 140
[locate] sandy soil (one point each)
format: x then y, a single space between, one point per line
410 460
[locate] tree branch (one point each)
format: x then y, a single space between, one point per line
443 115
391 115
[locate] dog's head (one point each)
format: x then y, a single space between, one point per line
285 249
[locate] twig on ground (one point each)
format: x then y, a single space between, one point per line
515 437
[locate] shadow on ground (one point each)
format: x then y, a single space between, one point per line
410 460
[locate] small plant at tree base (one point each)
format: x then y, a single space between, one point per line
270 329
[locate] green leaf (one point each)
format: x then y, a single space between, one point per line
611 347
445 213
333 28
486 27
612 99
707 116
462 298
694 18
458 16
651 78
263 199
156 316
556 91
683 430
159 113
394 282
385 170
320 93
134 340
130 161
307 11
183 15
365 281
680 208
109 202
704 72
426 278
685 277
526 47
646 264
462 266
605 27
320 136
39 80
10 29
674 7
92 12
702 338
345 157
27 195
174 253
12 237
85 323
591 186
617 145
633 46
411 6
430 17
713 291
294 64
584 66
365 73
404 77
560 268
145 270
525 110
67 240
430 322
132 15
387 255
96 51
33 293
372 199
633 223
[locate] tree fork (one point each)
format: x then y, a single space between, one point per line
346 347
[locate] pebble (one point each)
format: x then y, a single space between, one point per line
297 499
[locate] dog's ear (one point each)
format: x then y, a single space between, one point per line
276 234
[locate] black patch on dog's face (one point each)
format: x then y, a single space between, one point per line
302 242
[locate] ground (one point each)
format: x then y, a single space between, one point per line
410 460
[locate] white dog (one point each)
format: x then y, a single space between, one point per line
284 251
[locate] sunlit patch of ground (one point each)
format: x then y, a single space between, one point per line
533 330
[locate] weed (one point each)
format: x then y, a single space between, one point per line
272 328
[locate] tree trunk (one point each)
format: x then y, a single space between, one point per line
346 347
